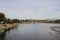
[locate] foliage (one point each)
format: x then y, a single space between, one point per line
2 17
15 20
8 20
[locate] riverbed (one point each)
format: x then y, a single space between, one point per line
33 31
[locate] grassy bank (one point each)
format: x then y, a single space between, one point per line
8 26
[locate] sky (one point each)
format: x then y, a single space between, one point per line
31 9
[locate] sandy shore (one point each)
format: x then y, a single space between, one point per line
8 26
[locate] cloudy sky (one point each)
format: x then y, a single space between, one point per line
31 9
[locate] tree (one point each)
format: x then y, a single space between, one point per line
15 20
2 17
8 20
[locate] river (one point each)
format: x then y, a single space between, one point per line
33 31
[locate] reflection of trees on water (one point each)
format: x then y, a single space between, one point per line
2 36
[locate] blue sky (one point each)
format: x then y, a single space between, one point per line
31 9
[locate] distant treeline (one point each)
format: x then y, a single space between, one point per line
41 21
55 21
4 19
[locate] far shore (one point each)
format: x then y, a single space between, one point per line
38 22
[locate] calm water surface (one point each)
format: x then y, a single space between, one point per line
37 31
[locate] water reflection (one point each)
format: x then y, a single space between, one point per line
55 34
2 36
39 31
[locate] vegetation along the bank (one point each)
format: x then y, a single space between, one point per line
7 23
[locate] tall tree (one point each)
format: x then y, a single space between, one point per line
2 17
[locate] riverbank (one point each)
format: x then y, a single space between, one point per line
8 26
56 28
38 22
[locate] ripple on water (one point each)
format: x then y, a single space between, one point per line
40 31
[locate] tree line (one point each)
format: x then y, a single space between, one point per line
3 19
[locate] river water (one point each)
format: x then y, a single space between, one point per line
33 31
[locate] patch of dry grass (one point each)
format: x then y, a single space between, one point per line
8 26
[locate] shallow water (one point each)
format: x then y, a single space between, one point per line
34 31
